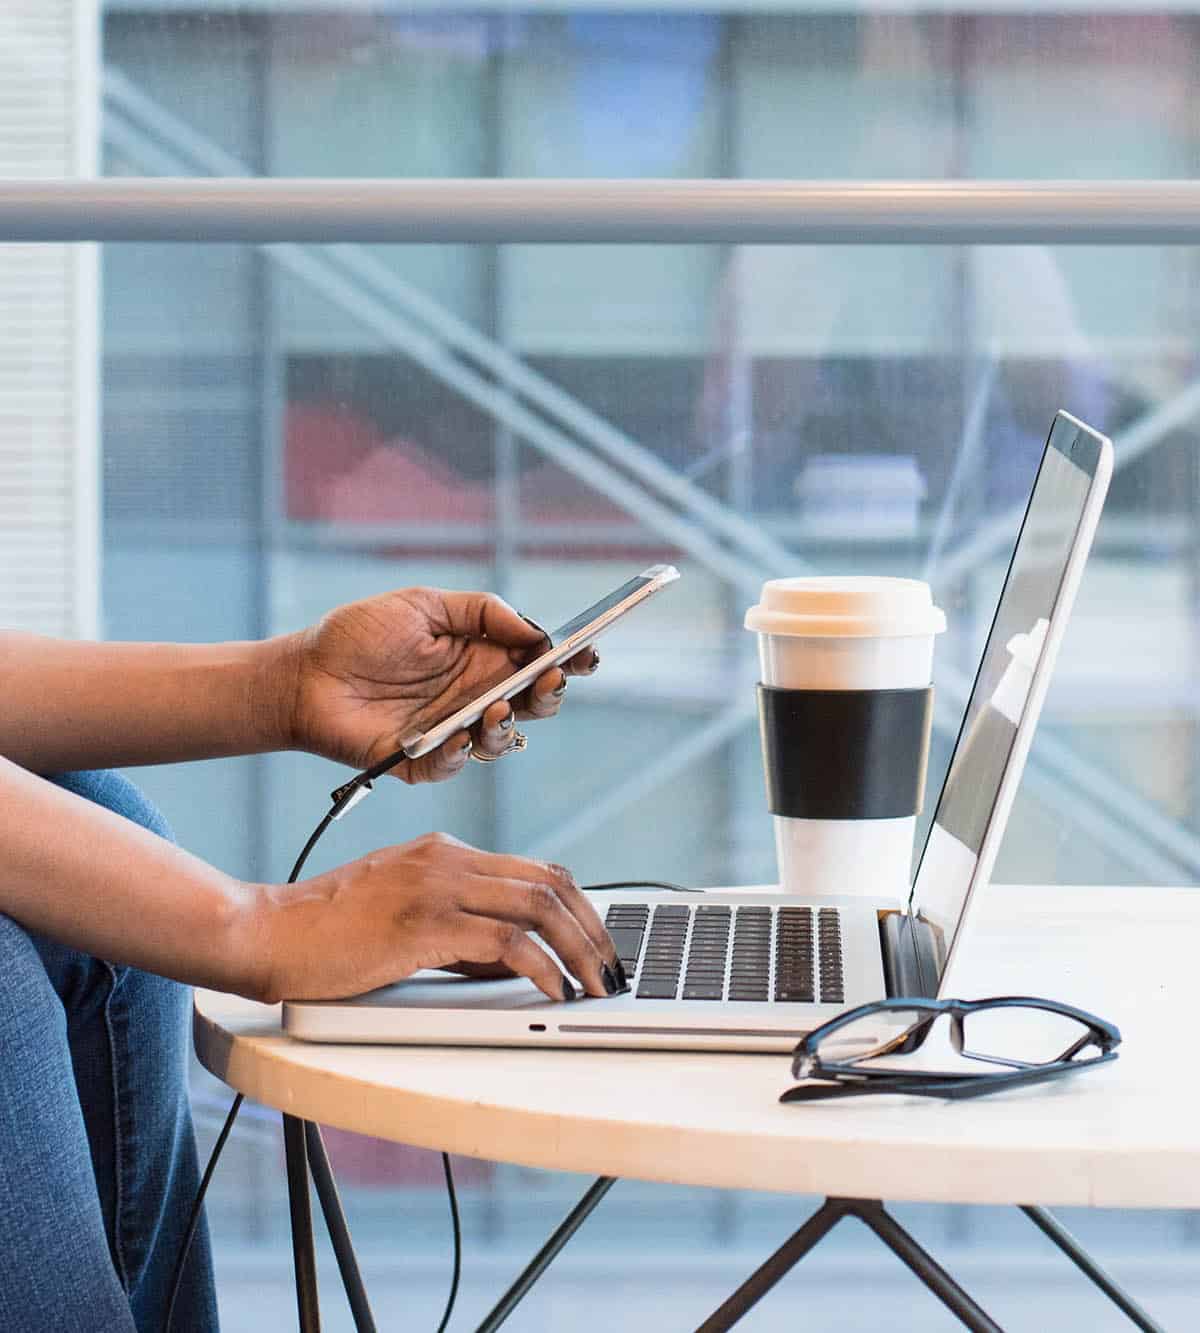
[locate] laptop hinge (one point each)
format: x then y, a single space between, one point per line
910 955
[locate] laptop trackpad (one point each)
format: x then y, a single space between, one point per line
444 990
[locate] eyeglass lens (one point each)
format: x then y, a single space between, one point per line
881 1032
1021 1033
1017 1034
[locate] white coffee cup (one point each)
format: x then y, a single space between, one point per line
864 635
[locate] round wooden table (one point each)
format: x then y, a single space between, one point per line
1125 1135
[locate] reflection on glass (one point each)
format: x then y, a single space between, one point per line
997 703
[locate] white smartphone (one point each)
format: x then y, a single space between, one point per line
565 642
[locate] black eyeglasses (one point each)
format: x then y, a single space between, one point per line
1033 1040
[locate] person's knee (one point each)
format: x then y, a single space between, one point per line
26 998
114 791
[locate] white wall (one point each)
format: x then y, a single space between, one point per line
49 576
49 565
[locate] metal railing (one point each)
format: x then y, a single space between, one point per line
725 212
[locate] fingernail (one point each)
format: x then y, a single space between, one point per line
465 746
618 968
610 981
529 620
506 723
568 990
562 689
595 660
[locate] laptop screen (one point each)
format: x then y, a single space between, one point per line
998 697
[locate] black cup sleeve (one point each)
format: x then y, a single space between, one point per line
845 754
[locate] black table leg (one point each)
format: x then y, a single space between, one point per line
303 1255
923 1264
339 1232
305 1150
541 1261
1052 1227
781 1262
893 1235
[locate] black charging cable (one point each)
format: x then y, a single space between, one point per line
345 798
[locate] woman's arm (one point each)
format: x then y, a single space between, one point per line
99 883
85 876
67 705
347 688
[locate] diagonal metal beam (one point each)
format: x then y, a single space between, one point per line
312 267
160 131
619 448
498 403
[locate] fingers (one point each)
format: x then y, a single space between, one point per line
481 615
447 761
480 971
536 906
495 731
544 697
584 663
581 907
569 893
517 869
503 943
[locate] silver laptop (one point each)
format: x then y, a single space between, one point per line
721 970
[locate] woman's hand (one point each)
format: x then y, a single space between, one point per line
376 670
434 902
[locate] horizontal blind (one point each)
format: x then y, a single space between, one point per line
49 575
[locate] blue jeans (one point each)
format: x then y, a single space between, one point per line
97 1156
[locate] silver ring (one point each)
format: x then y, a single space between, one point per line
519 742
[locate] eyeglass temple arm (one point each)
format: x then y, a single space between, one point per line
896 1084
956 1087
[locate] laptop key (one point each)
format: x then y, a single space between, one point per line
628 940
657 990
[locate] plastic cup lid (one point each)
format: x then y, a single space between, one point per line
846 608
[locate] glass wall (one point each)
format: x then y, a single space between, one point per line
287 428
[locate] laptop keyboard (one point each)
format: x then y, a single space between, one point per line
790 955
